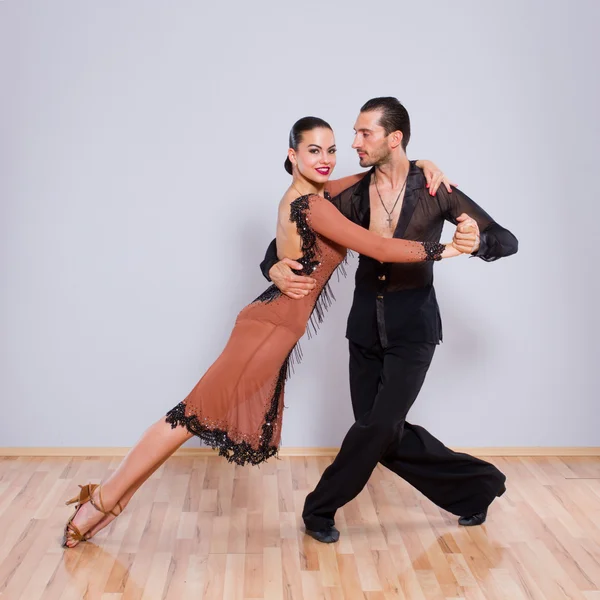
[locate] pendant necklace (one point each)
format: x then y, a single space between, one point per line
389 213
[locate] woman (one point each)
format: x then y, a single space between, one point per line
237 406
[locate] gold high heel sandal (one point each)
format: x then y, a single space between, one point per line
71 532
88 536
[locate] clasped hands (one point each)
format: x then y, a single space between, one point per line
466 237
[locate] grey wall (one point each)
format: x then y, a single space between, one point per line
142 147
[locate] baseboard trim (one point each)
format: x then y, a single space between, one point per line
291 451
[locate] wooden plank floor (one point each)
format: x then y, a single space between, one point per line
204 529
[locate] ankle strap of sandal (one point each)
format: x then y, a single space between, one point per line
98 505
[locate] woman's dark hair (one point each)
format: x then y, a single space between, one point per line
301 126
394 117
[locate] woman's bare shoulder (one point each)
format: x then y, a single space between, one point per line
288 197
285 203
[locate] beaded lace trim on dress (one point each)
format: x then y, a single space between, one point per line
433 250
240 452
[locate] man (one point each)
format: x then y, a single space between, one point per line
393 329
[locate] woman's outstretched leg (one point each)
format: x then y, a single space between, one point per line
123 502
156 445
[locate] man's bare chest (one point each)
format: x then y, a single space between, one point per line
385 213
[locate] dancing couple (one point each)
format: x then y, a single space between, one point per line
392 215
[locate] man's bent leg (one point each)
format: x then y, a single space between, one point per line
456 482
403 373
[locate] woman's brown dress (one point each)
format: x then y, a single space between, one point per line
237 406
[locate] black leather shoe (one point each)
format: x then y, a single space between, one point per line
480 517
471 520
325 536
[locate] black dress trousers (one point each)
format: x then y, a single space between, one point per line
384 383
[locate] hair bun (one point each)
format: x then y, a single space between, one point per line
288 166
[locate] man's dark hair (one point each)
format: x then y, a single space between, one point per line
394 117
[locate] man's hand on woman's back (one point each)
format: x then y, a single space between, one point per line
290 284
